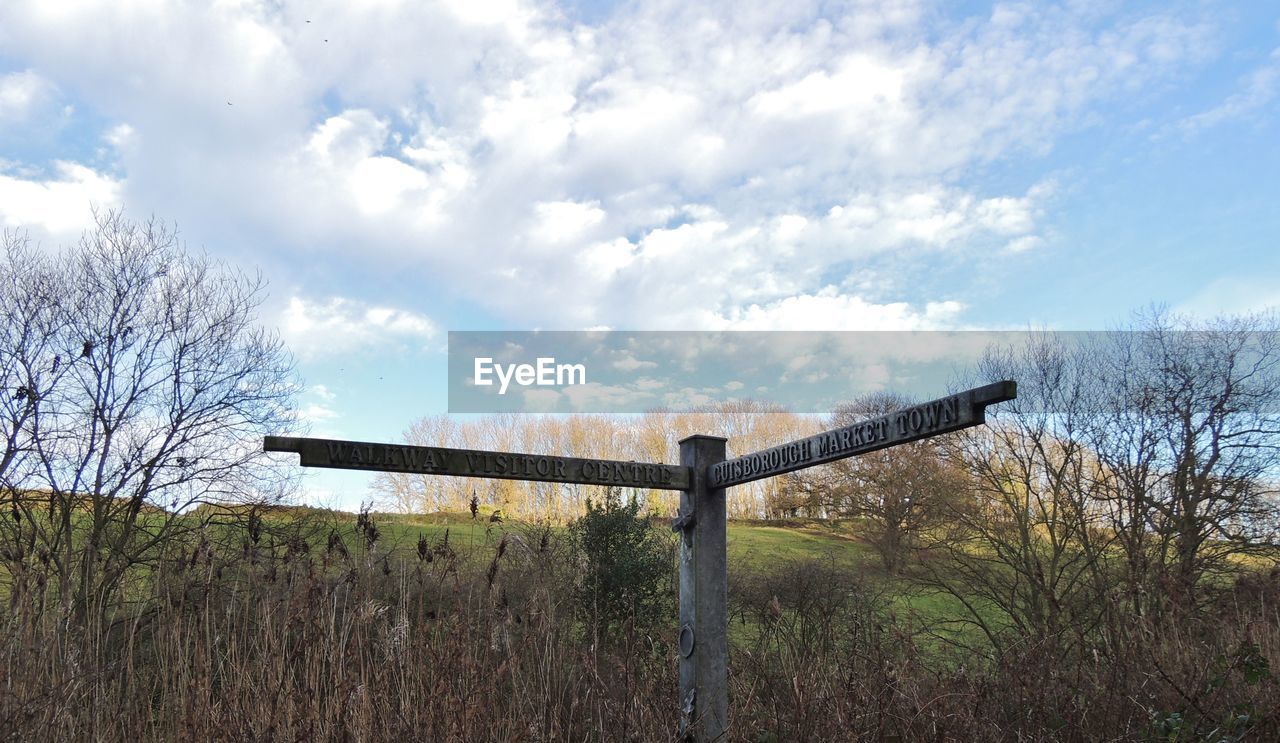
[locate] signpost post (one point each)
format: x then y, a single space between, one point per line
702 476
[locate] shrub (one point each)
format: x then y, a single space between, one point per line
627 567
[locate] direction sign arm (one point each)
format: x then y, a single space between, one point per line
439 460
993 393
951 413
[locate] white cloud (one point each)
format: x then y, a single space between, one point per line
649 385
1232 295
681 165
340 326
629 363
119 136
830 310
604 259
316 413
512 15
22 93
57 208
860 83
596 396
346 152
1257 90
1023 244
560 221
932 217
348 138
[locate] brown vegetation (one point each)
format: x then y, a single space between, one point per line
272 639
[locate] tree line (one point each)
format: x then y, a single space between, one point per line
651 437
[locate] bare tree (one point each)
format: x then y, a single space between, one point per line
1132 467
898 493
29 334
1188 434
1025 554
137 386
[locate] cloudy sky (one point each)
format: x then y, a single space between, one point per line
401 168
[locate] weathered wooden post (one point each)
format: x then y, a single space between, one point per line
704 595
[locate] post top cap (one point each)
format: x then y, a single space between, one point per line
703 436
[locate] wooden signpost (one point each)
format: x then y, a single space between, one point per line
702 476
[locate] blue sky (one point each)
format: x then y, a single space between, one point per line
399 169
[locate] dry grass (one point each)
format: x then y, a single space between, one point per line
275 640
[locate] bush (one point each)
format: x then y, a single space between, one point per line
627 567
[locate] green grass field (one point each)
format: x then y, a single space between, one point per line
750 544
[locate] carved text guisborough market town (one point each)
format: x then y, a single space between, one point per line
875 433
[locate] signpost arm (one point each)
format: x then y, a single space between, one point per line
704 595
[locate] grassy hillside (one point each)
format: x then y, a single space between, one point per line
750 542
